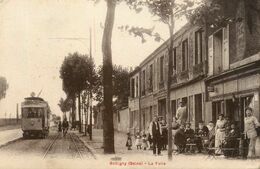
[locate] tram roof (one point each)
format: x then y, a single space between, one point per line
34 98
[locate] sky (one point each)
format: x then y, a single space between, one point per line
35 37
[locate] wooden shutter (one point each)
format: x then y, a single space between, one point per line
165 64
210 55
225 55
154 75
147 79
158 72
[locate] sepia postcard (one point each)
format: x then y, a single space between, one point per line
153 84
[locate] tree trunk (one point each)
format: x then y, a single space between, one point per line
73 110
108 128
169 81
90 116
79 110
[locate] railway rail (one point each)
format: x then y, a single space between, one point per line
80 147
54 139
82 151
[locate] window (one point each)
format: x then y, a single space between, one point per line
219 51
132 87
118 117
185 55
32 112
136 87
161 68
143 82
198 47
217 48
132 119
151 76
174 65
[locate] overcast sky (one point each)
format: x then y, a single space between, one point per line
32 47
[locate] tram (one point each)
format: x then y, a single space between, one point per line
35 117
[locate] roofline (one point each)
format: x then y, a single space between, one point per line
136 70
163 46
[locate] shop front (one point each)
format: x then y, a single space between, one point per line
192 95
230 95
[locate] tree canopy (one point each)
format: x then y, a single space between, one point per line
120 82
65 104
75 73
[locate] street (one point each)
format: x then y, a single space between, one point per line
54 146
77 151
130 84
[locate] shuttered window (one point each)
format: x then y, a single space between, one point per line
161 68
198 47
185 55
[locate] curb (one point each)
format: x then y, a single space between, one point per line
91 149
10 142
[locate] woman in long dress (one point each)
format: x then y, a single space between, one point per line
220 133
251 123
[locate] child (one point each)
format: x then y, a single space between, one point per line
138 141
129 141
144 142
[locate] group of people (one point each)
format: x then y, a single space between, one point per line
63 127
221 136
185 137
155 138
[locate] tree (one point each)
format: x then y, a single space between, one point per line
108 130
120 89
75 72
3 87
65 105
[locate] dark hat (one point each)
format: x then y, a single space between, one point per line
249 108
221 115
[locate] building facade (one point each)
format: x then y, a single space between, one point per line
215 70
233 80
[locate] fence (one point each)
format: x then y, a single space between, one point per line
7 121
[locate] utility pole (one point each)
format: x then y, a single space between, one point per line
17 113
90 116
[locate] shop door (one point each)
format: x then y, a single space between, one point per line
173 108
216 110
162 108
230 110
198 109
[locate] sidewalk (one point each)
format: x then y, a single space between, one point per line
120 141
144 158
7 136
10 127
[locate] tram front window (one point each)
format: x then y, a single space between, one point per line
32 112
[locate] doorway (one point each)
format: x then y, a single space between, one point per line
198 109
162 108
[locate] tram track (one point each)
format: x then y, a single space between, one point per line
51 145
81 148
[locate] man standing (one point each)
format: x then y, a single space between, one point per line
65 126
181 113
155 132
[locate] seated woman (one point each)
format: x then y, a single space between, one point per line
179 139
189 135
201 133
231 142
